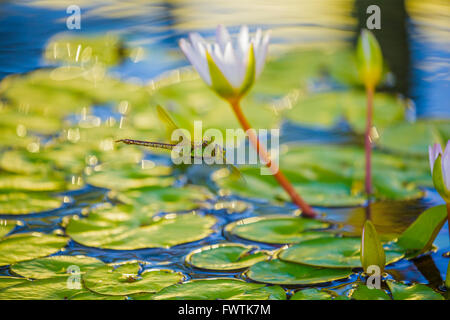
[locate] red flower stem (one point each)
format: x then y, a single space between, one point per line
368 142
282 180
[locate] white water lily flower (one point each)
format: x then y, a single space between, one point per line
440 169
228 67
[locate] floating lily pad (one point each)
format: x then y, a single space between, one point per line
332 253
89 295
22 162
328 175
122 229
130 178
55 266
45 289
6 226
278 229
414 138
218 289
27 246
106 49
6 282
165 199
227 256
415 292
362 292
24 203
330 107
316 294
10 182
287 273
127 279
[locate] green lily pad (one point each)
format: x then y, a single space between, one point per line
131 178
27 246
165 199
329 175
106 49
22 162
415 292
24 203
420 235
218 289
414 138
10 182
226 256
6 282
326 194
6 226
120 228
362 292
55 266
44 289
127 279
287 273
315 294
278 229
332 253
330 107
89 295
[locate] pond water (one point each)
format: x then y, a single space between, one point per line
414 38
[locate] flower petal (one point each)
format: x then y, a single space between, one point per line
433 153
222 36
197 61
446 165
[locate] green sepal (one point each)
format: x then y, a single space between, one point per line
250 75
372 252
219 82
369 59
438 179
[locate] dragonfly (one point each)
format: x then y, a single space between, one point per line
196 150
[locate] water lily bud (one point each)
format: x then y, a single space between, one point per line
372 252
369 59
440 169
230 69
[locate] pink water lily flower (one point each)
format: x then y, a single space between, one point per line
440 169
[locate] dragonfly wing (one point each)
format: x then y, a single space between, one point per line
169 123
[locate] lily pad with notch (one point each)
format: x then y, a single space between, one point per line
334 253
27 246
278 229
218 289
288 273
55 266
225 257
125 228
127 278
